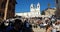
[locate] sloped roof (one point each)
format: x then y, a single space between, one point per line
49 8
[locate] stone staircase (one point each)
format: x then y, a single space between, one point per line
38 29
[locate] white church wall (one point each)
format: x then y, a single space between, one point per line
34 12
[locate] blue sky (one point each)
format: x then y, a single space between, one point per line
24 5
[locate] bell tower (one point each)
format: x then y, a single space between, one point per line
38 8
32 8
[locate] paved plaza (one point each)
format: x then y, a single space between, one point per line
38 29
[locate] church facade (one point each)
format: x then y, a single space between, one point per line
34 11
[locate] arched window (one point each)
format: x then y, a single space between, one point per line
38 6
3 5
31 7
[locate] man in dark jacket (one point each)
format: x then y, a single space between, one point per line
17 26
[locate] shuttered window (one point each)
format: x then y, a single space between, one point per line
56 1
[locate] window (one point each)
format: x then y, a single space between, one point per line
10 1
3 5
56 1
38 13
1 14
9 7
13 4
31 7
13 10
38 6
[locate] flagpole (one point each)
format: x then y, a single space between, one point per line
6 9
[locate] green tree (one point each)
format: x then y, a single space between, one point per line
43 13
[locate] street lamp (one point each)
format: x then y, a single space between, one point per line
6 8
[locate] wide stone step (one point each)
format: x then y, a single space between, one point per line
38 29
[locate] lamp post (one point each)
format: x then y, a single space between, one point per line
6 7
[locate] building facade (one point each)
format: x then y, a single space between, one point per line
34 11
58 8
10 10
50 11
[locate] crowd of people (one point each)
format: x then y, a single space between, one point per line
17 25
52 25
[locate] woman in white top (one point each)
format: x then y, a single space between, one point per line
54 29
